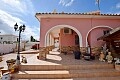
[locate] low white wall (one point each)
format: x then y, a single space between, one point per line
7 48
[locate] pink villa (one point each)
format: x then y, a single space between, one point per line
69 32
75 29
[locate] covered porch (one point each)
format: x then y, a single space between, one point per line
112 40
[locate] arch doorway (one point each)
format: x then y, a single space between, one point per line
94 33
63 35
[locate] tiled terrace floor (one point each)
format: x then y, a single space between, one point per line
54 58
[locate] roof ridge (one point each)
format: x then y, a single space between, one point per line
88 13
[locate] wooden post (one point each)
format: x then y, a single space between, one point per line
0 58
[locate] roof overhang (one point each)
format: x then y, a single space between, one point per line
76 15
112 35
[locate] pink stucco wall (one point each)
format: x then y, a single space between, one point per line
67 39
94 35
84 25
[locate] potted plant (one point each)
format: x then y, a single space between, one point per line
12 67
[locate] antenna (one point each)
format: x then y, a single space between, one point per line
98 3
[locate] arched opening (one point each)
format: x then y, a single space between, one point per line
97 31
53 35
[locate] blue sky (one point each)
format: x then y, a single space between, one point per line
23 12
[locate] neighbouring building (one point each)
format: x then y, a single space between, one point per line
8 38
8 43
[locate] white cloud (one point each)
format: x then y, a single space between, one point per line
31 32
9 19
7 22
66 2
17 6
9 12
118 6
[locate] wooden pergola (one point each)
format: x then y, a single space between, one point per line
112 40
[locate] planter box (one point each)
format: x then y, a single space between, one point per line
117 67
42 55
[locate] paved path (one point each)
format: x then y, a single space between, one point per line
53 58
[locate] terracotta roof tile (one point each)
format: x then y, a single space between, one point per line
80 14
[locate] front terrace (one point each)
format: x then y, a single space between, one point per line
53 58
60 66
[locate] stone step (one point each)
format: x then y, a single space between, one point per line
30 52
43 79
44 72
98 78
62 72
66 74
64 67
67 71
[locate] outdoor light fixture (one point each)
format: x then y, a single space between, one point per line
1 38
20 29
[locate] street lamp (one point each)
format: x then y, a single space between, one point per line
1 40
20 29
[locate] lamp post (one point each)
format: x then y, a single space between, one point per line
2 45
1 39
20 29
